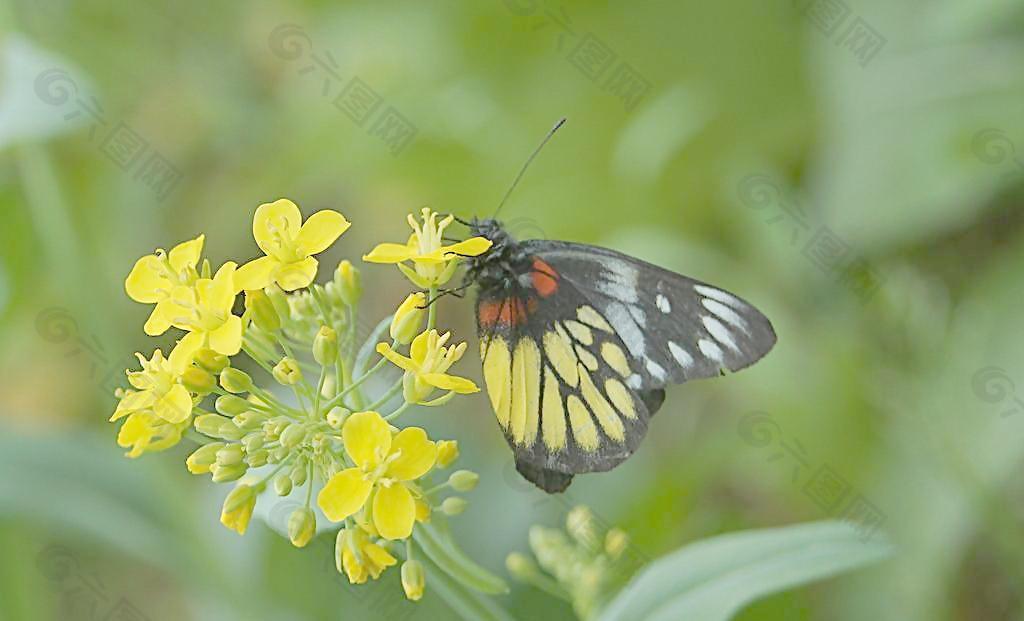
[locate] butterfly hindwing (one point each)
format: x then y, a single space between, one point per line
557 374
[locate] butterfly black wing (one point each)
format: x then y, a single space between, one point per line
578 348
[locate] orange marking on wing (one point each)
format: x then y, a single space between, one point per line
510 311
545 278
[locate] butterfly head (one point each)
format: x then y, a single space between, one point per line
497 265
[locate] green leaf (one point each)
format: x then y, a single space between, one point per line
711 580
454 562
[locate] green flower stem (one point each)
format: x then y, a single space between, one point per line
276 405
352 386
247 347
394 390
405 406
319 392
432 310
436 488
455 563
280 467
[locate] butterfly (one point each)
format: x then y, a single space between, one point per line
579 342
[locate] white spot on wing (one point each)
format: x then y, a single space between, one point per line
709 349
618 315
718 294
656 370
634 381
663 304
726 314
619 280
719 332
682 356
639 316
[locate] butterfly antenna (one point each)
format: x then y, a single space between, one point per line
522 171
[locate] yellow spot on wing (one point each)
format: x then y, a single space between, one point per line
583 429
588 359
561 357
525 392
615 358
498 376
606 416
620 397
588 315
553 413
581 332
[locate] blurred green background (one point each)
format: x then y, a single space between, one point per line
851 168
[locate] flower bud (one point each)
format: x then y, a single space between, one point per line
211 361
325 346
293 435
238 508
250 420
348 282
257 458
230 405
447 452
230 455
579 523
520 566
262 311
299 473
413 579
453 505
409 318
287 372
301 526
223 474
202 458
336 417
198 380
282 485
252 441
615 542
279 299
210 424
463 480
235 380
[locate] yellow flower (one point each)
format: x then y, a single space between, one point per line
433 263
382 478
408 319
360 558
289 245
158 388
155 276
204 309
145 432
425 369
238 507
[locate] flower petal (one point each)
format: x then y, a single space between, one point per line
394 511
145 279
292 276
180 359
398 359
472 247
227 339
186 254
417 454
175 406
272 221
320 230
222 293
421 345
444 381
189 344
133 402
344 494
380 559
367 438
389 253
256 274
159 320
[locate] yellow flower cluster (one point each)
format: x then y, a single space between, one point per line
309 423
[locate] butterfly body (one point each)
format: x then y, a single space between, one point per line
579 342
